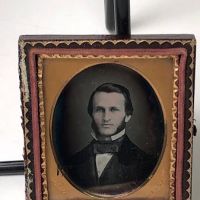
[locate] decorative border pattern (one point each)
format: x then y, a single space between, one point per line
174 133
42 130
103 42
25 96
25 120
189 128
174 113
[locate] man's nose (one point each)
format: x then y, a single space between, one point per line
107 116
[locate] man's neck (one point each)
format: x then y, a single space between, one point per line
108 138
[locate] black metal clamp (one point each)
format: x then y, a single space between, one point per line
12 167
117 14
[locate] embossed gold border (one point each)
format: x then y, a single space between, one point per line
25 93
42 129
174 113
174 133
102 42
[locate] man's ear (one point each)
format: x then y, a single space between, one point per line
127 118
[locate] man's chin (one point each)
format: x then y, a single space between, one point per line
107 134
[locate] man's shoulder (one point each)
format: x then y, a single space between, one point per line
130 152
81 155
129 147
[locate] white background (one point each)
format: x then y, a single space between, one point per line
71 17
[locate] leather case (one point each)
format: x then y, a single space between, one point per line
158 71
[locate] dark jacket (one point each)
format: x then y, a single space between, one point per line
129 164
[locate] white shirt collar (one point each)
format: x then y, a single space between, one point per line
113 137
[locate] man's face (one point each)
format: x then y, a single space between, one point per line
109 116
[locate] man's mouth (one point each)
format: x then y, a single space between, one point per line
107 125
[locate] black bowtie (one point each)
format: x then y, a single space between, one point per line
107 147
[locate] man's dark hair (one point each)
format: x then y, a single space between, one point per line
111 87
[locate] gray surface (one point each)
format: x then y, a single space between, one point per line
78 17
12 187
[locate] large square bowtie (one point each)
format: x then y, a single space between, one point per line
106 147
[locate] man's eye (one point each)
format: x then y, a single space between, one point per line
113 109
99 109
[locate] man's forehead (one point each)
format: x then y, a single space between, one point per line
108 98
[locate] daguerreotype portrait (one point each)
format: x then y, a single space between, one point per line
95 124
107 118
